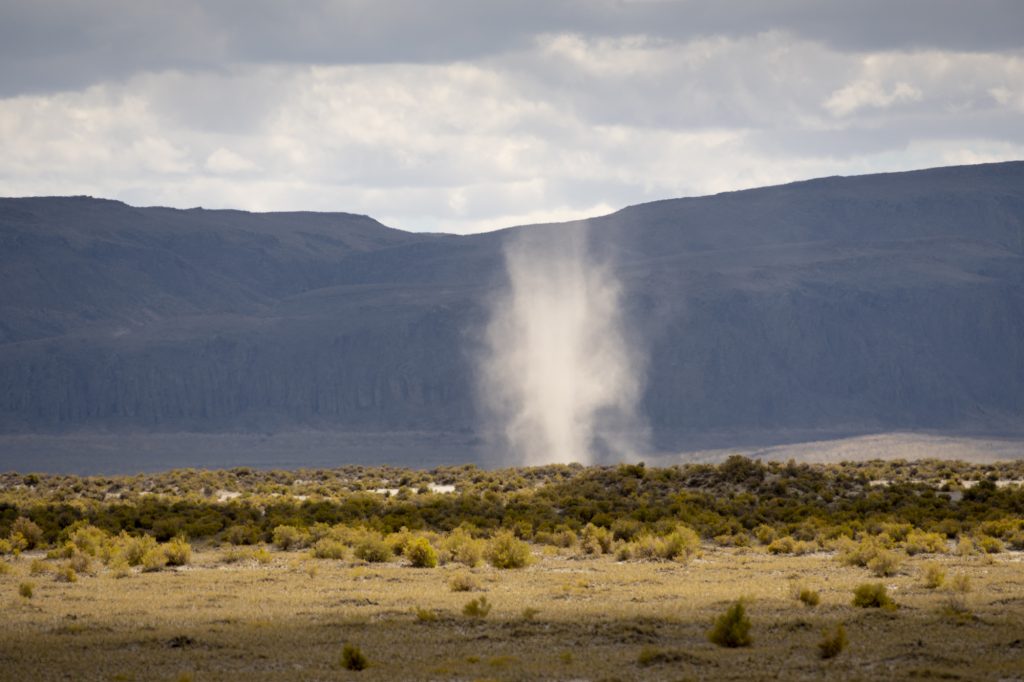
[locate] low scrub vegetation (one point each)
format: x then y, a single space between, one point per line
732 628
872 596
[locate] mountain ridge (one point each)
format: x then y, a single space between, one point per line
858 304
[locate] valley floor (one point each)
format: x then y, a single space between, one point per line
562 618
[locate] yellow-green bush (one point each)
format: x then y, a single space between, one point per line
420 553
504 550
920 542
178 552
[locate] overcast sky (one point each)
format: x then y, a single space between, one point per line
469 115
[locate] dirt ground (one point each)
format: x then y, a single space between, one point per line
563 618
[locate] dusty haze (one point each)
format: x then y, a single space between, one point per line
559 376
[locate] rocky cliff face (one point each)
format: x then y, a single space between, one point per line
852 304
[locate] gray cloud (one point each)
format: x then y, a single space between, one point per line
50 45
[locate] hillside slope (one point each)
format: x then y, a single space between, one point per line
846 305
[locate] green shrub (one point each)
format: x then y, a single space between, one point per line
854 553
133 549
506 551
290 537
872 595
87 539
596 540
765 534
790 545
420 553
178 552
6 547
463 582
353 659
154 559
626 529
989 544
833 643
682 544
476 608
66 574
25 589
372 549
246 534
920 542
732 628
461 547
329 548
884 563
28 530
933 575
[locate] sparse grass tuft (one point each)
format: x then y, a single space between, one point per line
808 596
426 615
732 628
872 596
477 608
833 643
933 575
26 588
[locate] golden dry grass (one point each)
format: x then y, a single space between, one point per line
591 619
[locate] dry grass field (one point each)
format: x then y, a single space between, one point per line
564 617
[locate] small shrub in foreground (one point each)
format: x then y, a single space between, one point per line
353 659
463 582
66 574
732 628
426 615
933 576
25 589
833 643
808 596
477 608
506 551
872 596
884 563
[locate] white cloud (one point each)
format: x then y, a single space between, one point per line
863 94
224 161
567 126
